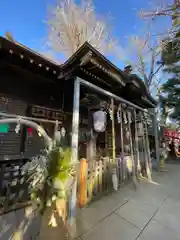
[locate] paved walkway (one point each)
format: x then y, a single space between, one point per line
151 212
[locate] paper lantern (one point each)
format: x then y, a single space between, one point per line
99 121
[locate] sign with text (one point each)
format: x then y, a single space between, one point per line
47 113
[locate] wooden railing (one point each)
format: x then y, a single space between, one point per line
13 184
95 180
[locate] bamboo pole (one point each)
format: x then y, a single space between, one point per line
29 118
113 133
125 163
156 137
114 170
145 152
131 150
122 143
136 145
147 145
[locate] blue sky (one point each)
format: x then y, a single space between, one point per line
26 19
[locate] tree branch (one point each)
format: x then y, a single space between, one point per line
71 24
169 10
157 70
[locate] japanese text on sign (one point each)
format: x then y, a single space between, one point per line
47 113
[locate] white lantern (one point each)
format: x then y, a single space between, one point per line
99 120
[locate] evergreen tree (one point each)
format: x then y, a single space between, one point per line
171 89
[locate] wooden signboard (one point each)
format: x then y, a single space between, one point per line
47 113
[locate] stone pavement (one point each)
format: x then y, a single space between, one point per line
151 212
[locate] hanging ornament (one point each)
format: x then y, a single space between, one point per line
63 132
114 179
39 134
40 131
18 126
140 129
127 134
57 136
129 117
125 118
119 114
99 121
110 113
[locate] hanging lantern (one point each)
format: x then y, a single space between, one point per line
99 121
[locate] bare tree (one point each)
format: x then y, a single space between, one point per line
171 9
165 9
71 24
162 10
143 56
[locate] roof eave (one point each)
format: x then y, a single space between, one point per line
15 47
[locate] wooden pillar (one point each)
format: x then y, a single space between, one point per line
83 171
131 149
138 167
147 142
145 149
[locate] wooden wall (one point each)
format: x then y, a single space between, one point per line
17 92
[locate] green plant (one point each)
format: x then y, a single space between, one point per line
51 176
